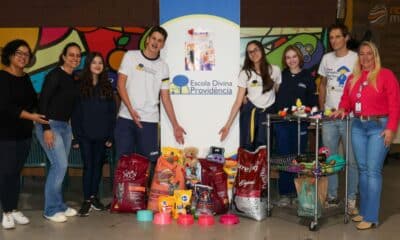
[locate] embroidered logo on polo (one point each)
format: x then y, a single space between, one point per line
254 83
142 67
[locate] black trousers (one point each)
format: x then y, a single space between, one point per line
13 154
93 155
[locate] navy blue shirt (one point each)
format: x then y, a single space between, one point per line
94 117
294 86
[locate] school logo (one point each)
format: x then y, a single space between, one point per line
182 85
140 67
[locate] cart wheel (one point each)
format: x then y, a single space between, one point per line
313 226
346 219
269 213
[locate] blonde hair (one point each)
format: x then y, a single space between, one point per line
372 75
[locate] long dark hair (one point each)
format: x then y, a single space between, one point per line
86 86
265 67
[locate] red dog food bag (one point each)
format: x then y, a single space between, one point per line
130 180
250 190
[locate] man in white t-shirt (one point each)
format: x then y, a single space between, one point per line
142 78
334 69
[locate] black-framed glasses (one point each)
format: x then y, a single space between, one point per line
19 53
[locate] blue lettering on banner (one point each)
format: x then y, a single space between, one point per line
182 86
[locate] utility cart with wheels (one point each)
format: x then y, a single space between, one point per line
312 166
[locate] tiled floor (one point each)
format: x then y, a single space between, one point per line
282 225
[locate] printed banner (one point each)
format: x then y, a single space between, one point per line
203 54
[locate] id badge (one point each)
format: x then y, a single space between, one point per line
358 107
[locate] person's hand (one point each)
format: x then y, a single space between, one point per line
49 138
388 136
39 118
178 133
338 114
224 132
136 118
108 144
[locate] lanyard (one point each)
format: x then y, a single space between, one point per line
358 96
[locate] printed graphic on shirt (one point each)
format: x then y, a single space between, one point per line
302 85
337 77
343 74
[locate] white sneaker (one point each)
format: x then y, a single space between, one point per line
351 207
19 217
8 221
70 212
58 217
284 201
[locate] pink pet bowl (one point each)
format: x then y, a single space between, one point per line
162 218
206 220
185 219
229 219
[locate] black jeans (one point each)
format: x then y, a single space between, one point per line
93 155
13 154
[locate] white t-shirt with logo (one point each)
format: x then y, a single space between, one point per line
254 85
337 71
145 78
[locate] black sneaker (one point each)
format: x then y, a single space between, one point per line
84 211
96 204
332 202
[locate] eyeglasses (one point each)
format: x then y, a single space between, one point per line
19 53
255 50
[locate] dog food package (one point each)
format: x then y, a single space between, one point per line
168 176
182 202
250 190
213 175
129 190
166 204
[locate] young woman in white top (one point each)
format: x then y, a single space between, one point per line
258 83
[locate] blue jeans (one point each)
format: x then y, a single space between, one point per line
332 131
58 158
370 152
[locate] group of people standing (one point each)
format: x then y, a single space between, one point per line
351 83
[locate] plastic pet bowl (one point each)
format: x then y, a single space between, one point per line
185 219
229 219
144 215
162 218
206 220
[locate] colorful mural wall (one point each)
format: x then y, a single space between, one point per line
47 44
311 41
112 42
